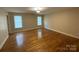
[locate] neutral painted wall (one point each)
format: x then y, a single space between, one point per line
66 22
29 21
3 28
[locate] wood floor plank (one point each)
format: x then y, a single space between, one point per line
40 40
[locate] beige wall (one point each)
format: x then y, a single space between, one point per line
3 28
66 22
29 21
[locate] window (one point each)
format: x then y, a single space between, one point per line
39 20
18 21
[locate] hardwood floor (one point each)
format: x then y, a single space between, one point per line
40 40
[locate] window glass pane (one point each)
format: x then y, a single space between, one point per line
18 21
39 20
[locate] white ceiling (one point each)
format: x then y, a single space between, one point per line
45 10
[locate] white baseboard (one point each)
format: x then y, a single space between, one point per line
27 29
4 42
64 33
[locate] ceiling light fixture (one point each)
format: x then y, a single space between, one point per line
38 9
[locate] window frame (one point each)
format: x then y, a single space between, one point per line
41 21
21 21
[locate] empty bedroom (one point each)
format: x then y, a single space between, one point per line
39 29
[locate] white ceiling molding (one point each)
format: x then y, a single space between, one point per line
44 10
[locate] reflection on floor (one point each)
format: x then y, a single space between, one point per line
40 40
39 32
19 39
